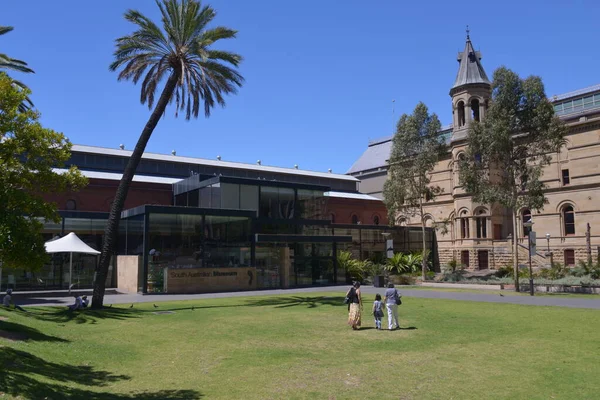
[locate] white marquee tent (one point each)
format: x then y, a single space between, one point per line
69 244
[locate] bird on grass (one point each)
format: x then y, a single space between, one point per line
193 308
131 306
155 306
501 295
110 306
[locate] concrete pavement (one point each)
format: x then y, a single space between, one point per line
43 299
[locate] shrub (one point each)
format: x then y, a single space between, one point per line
402 279
429 275
556 271
453 265
403 263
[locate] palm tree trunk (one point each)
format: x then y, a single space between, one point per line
112 225
515 251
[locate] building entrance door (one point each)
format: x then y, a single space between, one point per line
482 258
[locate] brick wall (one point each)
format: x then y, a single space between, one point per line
99 193
366 210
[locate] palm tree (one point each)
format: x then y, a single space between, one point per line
12 64
195 73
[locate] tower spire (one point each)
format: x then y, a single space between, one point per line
470 70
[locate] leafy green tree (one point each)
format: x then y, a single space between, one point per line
11 64
416 148
28 153
196 76
509 149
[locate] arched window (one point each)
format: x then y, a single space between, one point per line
332 216
525 217
354 219
569 220
461 113
376 219
475 109
464 225
481 222
401 221
71 205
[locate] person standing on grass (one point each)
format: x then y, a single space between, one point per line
391 304
377 311
355 306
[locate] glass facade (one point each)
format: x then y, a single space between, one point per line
89 227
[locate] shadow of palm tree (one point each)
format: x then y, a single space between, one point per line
14 331
295 301
19 372
60 315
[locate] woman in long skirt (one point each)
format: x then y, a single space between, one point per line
355 306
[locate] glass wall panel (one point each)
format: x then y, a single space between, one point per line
230 196
269 201
205 197
249 197
311 204
273 267
175 242
215 196
286 203
227 242
193 199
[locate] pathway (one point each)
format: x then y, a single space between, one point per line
594 303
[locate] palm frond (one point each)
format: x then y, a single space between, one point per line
182 45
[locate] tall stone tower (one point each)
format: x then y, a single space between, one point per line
471 91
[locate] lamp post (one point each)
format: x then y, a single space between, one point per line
549 253
530 238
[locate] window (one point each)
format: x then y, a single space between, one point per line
332 218
464 258
376 220
569 220
464 225
475 109
497 231
428 195
481 223
460 107
525 217
355 219
569 257
565 177
71 205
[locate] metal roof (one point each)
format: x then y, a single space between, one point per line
345 195
379 151
375 156
575 93
112 176
470 70
207 162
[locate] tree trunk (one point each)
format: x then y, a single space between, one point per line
424 254
112 226
515 251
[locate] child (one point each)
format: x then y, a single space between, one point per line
377 311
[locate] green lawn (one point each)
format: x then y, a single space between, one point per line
506 292
298 347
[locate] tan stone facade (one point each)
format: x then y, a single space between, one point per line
480 235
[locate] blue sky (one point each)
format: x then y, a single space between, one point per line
320 75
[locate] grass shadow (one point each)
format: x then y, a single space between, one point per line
19 372
18 332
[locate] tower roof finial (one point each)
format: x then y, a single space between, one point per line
468 31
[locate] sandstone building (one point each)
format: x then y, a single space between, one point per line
480 235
